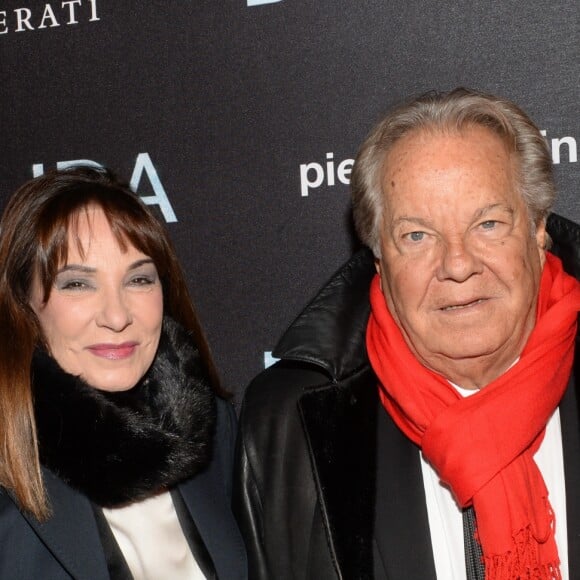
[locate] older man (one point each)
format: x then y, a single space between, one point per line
436 432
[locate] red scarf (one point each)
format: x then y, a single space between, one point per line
483 446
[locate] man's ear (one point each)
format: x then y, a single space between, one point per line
378 269
541 240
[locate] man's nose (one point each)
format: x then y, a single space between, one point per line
458 262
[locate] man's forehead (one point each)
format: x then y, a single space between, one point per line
426 150
462 172
430 135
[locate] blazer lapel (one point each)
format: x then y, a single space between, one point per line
205 498
71 533
402 525
196 543
340 425
570 421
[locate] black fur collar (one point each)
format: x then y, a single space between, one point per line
117 448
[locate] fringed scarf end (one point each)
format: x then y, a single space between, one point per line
522 563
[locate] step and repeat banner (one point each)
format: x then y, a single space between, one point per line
238 120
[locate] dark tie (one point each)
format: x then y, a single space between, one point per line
473 555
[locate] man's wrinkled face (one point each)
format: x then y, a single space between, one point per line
460 260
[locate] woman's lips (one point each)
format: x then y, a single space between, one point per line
113 351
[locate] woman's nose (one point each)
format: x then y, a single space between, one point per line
114 312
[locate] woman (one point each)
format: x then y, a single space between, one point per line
116 451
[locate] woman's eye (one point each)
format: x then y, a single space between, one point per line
72 285
489 224
142 281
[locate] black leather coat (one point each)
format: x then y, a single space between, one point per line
307 459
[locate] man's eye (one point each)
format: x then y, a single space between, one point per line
489 224
415 236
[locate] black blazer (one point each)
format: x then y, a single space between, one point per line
326 485
68 545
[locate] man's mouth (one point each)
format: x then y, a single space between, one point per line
463 306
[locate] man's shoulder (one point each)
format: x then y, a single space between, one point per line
280 386
565 236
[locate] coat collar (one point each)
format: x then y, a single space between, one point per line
330 331
340 422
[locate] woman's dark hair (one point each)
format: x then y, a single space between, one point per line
35 230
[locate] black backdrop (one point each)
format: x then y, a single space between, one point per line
240 118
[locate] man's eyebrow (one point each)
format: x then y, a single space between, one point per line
484 210
410 219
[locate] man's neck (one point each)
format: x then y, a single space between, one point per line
474 373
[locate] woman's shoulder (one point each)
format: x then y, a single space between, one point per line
226 425
226 412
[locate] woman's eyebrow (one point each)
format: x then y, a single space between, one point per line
140 263
90 270
77 268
